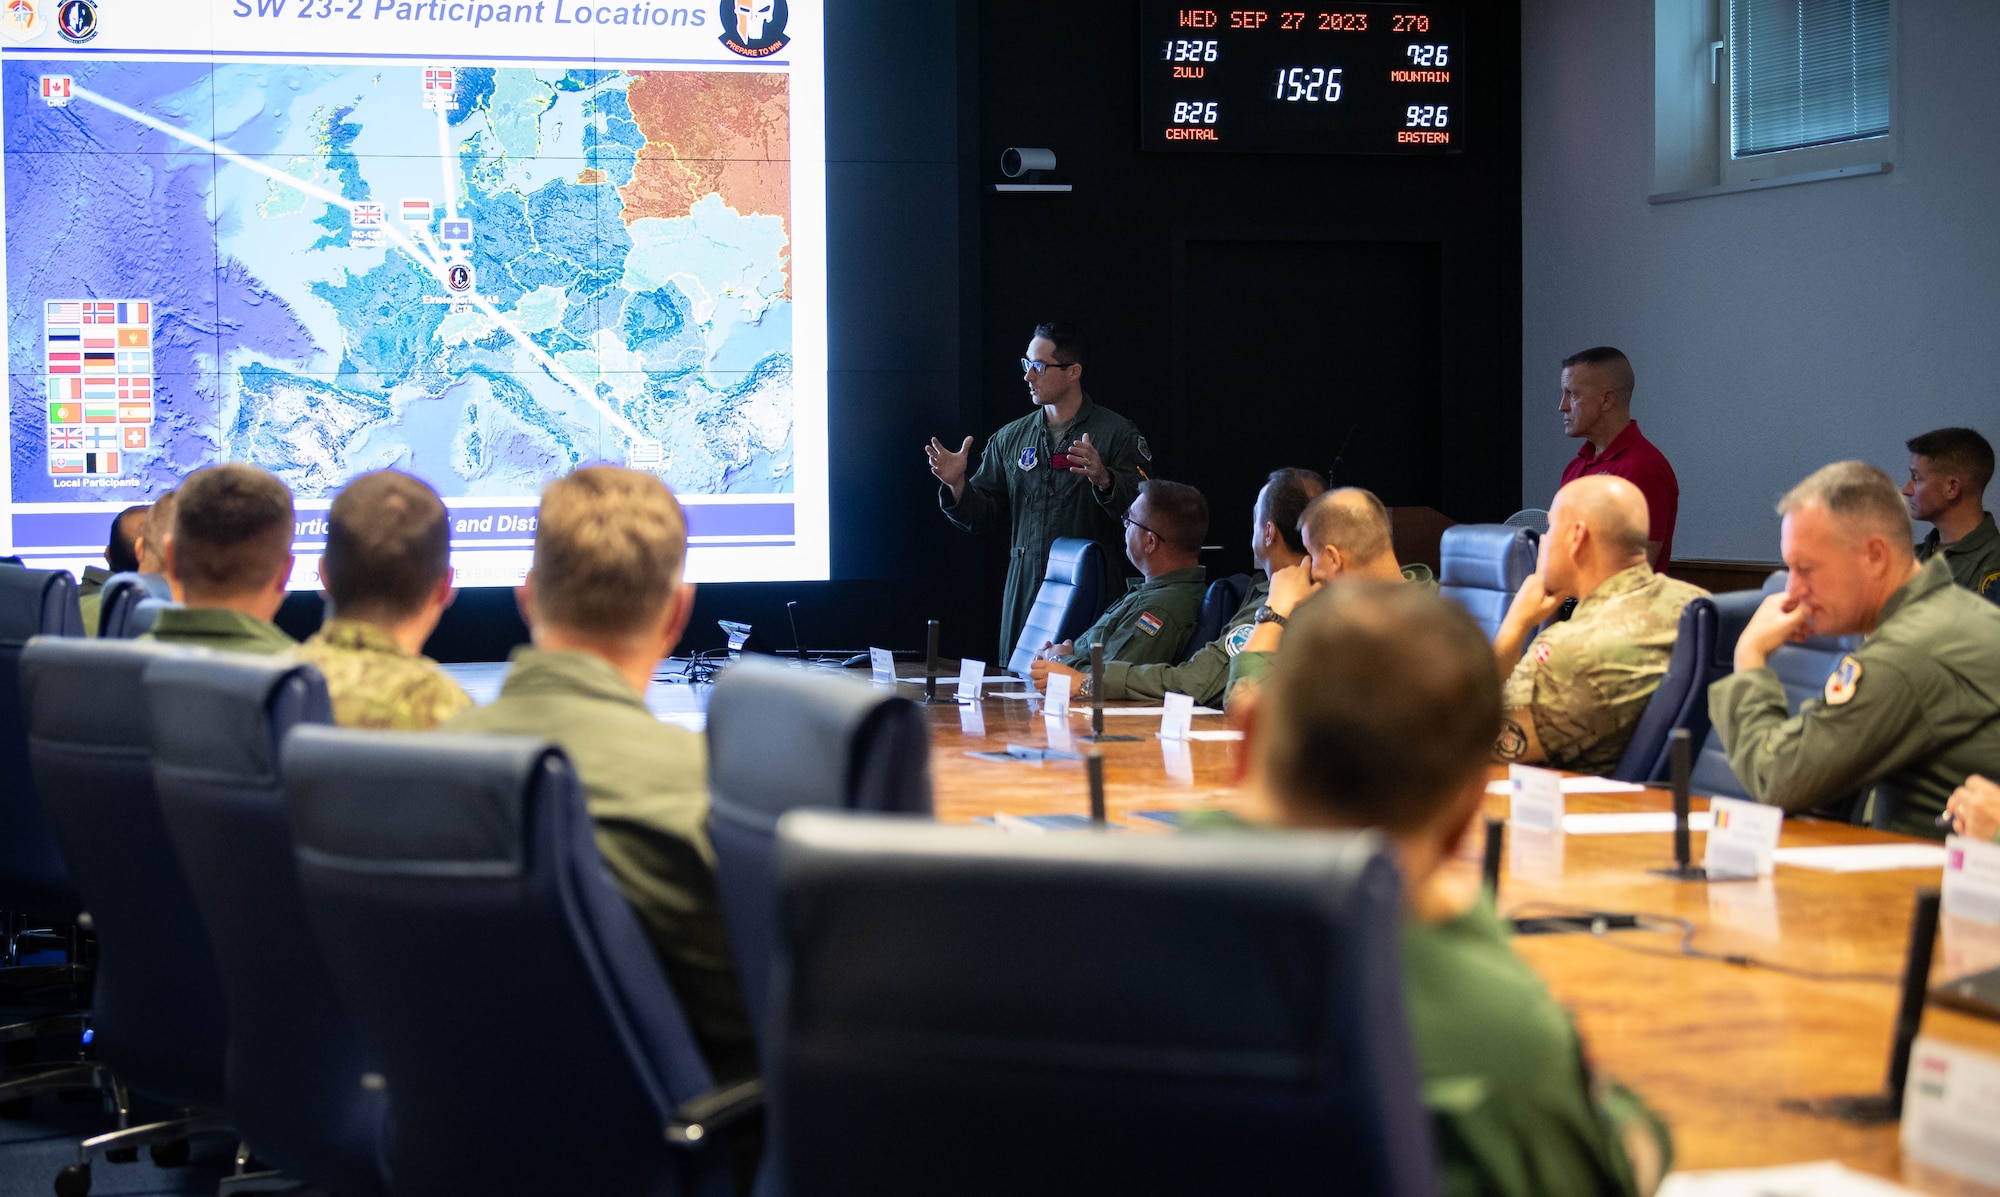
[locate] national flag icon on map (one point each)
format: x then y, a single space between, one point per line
61 389
416 211
102 439
135 412
135 438
83 463
55 89
98 411
65 413
65 438
454 231
643 453
440 85
365 223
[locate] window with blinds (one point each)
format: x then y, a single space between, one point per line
1806 73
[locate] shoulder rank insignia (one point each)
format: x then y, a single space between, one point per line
1841 683
1238 638
1028 458
1149 623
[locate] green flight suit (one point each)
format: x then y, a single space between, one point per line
646 786
90 597
1202 676
1252 667
1151 624
1974 558
219 628
1912 712
1514 1109
1015 477
1586 680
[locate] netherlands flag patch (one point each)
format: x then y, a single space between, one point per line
1149 623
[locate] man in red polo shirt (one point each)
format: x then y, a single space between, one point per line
1597 406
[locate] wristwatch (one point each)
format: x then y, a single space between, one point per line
1266 615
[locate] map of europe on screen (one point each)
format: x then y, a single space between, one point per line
485 276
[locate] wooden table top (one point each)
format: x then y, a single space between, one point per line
1716 1048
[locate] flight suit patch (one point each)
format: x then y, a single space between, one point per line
1028 458
1987 583
1542 653
1841 683
1238 638
1150 623
1145 450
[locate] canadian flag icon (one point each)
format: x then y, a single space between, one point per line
56 90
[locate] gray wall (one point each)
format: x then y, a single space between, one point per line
1772 331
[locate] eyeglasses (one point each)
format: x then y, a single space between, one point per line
1028 363
1129 522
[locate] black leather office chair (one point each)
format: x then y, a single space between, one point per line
1482 565
1704 650
1070 600
296 1084
1225 596
33 878
526 1033
159 1016
122 593
966 1011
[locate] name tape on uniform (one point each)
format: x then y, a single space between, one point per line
1741 838
1537 799
1177 717
1972 879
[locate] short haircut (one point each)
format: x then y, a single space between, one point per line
1286 494
1176 512
388 545
232 530
121 552
609 546
1068 339
1959 451
1858 496
1351 520
1382 706
160 522
1605 355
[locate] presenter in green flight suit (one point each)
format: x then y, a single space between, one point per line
1069 468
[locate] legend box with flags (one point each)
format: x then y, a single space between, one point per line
98 355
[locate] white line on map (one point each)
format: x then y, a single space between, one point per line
446 160
432 265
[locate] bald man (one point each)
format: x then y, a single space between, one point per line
1911 715
1346 534
1573 699
1597 408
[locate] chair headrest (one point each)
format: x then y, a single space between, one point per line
1486 556
781 737
1068 558
222 714
90 692
414 801
36 602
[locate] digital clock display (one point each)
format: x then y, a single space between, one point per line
1366 79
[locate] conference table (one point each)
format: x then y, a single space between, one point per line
1717 1048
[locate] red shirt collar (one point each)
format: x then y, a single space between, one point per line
1626 438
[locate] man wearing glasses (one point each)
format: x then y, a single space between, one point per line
1068 469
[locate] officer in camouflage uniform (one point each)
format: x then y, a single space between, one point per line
1949 470
1069 468
1913 712
1152 623
1574 699
1275 544
387 573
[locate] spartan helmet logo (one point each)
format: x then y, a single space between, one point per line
751 17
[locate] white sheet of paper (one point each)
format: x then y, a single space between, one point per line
971 676
1741 838
1537 798
1577 785
1213 733
1827 1178
1863 858
971 719
1151 712
1015 693
1176 715
1058 729
1972 879
1951 1111
1057 702
882 665
1635 822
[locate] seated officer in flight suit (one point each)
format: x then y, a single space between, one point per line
1347 535
387 574
1949 470
1379 713
1574 699
1913 712
228 558
604 602
1274 545
1152 623
121 554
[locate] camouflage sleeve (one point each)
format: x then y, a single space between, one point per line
1574 720
1830 747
